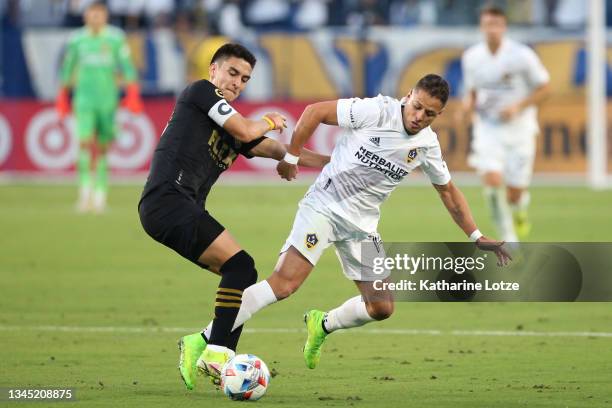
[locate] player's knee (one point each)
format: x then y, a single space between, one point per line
243 265
380 310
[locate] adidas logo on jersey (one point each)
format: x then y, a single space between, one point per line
375 140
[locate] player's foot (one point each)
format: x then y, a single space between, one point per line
522 226
191 348
99 202
212 360
316 337
83 203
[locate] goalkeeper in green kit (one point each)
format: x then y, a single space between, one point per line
97 61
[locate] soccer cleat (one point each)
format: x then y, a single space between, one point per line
316 337
211 363
191 348
522 226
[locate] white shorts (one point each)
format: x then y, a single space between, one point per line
313 232
509 150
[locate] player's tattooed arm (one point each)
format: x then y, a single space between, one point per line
457 206
272 149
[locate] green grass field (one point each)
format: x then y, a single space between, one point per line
91 302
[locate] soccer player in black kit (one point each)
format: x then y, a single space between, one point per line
204 136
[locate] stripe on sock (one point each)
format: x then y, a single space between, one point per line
230 291
227 304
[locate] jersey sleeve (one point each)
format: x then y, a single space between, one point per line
209 100
355 113
434 166
536 73
124 58
69 61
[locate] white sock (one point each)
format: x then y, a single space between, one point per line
352 313
523 202
500 212
254 298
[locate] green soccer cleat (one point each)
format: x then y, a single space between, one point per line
522 226
316 337
211 363
191 348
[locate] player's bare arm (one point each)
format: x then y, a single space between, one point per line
247 130
534 98
468 105
273 149
312 117
458 208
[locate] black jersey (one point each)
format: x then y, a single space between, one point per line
194 149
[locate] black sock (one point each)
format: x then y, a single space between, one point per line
234 337
237 274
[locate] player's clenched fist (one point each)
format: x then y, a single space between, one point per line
286 170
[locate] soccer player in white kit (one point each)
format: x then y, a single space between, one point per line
504 81
384 140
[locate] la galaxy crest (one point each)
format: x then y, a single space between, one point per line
311 240
412 154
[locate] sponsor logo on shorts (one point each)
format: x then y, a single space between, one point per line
412 154
311 240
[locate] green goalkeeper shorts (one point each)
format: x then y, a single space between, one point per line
95 121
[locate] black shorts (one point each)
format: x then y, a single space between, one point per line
177 221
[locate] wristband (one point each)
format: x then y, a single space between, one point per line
476 235
270 122
291 159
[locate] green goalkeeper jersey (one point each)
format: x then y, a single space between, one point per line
93 65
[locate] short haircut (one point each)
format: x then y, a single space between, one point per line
435 86
97 4
234 50
493 9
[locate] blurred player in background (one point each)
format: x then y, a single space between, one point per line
384 140
95 55
504 81
203 138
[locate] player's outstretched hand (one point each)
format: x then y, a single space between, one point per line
286 170
497 247
280 122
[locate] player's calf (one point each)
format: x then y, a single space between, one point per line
380 310
237 273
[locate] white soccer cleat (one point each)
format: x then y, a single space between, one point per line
84 203
99 201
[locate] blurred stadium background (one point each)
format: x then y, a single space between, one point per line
307 50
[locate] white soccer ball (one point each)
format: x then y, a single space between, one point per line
245 377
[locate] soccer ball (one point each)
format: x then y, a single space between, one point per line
245 377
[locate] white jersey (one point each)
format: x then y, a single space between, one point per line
503 78
370 159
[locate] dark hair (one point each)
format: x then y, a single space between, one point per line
234 50
98 4
435 86
493 9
